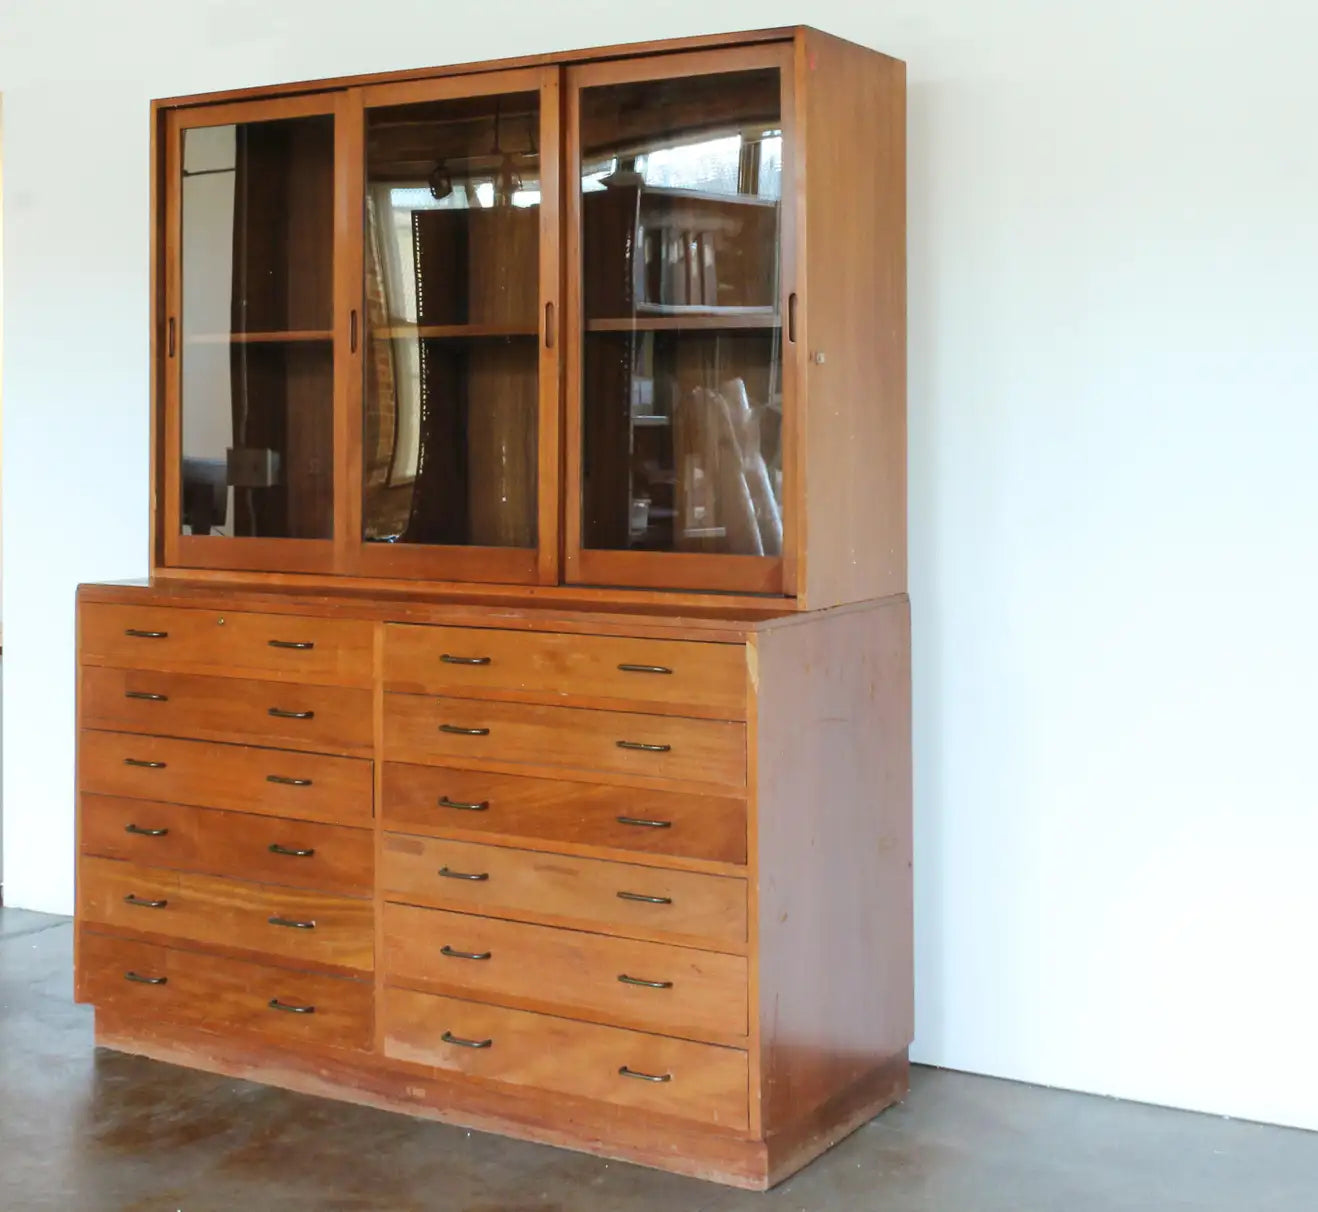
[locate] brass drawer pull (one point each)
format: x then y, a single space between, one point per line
146 696
144 764
449 1038
645 900
137 829
643 823
465 805
454 730
643 746
288 1008
449 659
300 645
285 781
450 874
145 980
631 980
146 635
291 922
276 848
471 955
644 669
280 714
645 1077
142 903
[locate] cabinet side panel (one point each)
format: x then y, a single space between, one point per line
854 321
834 855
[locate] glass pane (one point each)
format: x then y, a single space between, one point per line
256 344
682 369
452 303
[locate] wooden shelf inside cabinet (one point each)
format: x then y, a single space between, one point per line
257 338
397 332
651 319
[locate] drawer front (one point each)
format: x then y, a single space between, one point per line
701 993
159 984
676 675
443 801
303 786
262 849
456 731
284 715
620 898
336 652
626 1068
332 931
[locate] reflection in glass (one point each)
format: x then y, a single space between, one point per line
682 401
452 296
256 347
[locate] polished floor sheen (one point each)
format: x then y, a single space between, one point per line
89 1131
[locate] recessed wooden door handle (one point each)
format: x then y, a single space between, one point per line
549 325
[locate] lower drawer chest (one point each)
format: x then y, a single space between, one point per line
624 883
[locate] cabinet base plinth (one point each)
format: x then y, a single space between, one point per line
659 1142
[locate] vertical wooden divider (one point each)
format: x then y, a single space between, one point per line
349 328
377 770
756 1067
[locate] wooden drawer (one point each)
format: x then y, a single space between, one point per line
263 849
620 898
695 1081
458 731
335 932
446 801
676 676
336 652
160 984
303 786
703 993
283 715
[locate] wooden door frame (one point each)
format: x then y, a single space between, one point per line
172 548
772 575
498 565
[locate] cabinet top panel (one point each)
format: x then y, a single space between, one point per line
621 51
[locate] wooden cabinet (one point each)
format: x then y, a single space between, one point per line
633 320
515 727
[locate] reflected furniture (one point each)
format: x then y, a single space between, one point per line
514 728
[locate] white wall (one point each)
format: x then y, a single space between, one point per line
1113 503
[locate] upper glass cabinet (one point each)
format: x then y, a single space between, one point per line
250 334
678 182
459 272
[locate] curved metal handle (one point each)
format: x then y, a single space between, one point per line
301 645
643 746
288 1008
631 980
471 955
450 874
143 903
449 659
280 714
276 848
645 900
291 922
138 634
130 975
449 1038
642 822
645 669
137 829
144 764
465 805
454 730
146 696
285 781
644 1077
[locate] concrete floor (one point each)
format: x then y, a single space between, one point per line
88 1131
